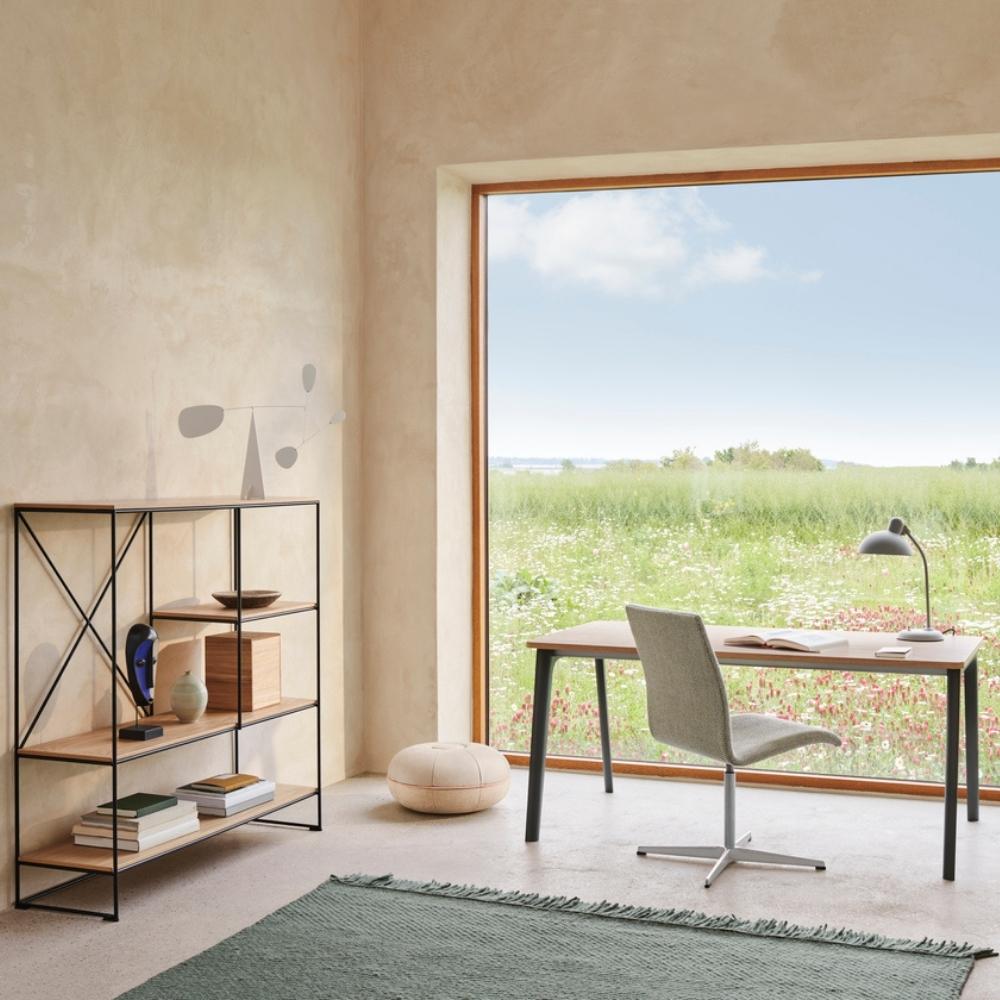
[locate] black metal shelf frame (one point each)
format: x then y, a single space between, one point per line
144 518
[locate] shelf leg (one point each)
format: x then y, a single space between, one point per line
149 563
17 706
114 712
238 572
319 685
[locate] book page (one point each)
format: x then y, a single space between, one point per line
810 641
760 637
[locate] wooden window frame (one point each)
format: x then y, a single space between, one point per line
480 553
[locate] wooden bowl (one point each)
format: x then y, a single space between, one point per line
251 598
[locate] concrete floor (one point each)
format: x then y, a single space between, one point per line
884 858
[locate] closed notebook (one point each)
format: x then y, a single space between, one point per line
224 783
97 820
187 793
237 807
139 804
153 838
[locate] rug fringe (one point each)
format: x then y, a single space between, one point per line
679 918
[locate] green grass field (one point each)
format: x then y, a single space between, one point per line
749 547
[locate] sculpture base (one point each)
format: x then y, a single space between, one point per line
920 635
141 731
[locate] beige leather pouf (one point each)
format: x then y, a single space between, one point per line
448 777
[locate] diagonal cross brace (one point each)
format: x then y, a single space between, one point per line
86 619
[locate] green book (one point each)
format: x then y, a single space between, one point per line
139 804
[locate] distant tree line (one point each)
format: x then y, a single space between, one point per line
971 463
749 455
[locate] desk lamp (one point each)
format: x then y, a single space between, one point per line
893 542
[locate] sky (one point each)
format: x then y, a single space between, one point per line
857 318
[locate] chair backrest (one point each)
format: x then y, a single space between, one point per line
685 693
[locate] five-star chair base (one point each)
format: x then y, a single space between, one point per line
733 850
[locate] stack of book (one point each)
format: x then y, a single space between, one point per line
144 820
227 794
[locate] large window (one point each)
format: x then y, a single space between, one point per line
702 398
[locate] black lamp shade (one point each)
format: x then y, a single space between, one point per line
885 543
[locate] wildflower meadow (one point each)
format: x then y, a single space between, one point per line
754 547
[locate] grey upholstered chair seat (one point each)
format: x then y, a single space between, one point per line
757 737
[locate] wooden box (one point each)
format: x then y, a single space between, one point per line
261 670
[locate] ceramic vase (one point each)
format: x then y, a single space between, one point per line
188 698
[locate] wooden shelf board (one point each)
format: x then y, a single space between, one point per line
141 506
213 612
95 747
98 859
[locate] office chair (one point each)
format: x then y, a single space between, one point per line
688 709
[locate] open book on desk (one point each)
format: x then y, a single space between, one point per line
789 638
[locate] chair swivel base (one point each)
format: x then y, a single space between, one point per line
725 856
733 850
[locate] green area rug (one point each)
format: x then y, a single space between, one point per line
364 936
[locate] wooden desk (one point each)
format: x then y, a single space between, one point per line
954 660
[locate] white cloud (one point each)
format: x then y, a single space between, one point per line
511 226
612 239
811 277
695 209
737 265
653 242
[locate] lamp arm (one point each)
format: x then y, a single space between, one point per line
927 583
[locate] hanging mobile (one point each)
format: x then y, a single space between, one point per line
140 652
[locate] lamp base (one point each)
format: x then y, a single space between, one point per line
920 635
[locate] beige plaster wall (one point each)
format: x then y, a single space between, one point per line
180 212
193 203
585 87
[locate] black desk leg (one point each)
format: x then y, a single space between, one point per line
951 773
544 662
602 709
972 741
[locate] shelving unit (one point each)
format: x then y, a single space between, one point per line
102 747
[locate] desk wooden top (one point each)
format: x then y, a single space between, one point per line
613 640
